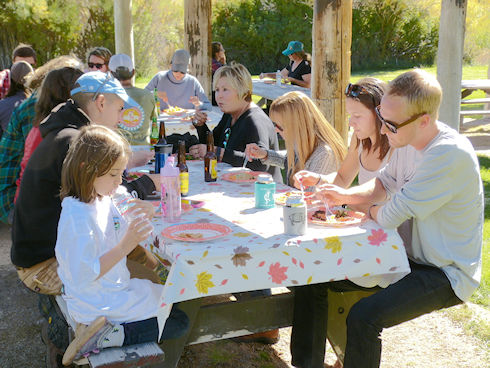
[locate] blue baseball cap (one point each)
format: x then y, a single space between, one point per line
101 83
293 46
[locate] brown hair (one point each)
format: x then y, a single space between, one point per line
215 48
35 79
55 89
90 156
101 52
376 89
305 128
23 50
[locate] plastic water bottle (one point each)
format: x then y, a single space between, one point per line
122 200
278 78
170 194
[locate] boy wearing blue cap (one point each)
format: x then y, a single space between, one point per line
298 71
97 98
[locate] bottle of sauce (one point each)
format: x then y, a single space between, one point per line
184 170
154 131
210 160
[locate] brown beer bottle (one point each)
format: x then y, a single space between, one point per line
184 170
162 136
210 160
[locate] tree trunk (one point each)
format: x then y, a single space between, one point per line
197 24
123 28
450 59
332 35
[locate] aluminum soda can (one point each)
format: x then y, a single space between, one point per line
265 188
294 216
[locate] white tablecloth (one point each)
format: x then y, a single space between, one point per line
258 255
174 124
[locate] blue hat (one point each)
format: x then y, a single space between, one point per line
98 82
293 46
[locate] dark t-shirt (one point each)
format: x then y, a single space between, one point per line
303 68
253 126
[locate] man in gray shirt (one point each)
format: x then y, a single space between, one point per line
432 184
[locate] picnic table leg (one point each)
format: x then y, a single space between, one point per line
173 348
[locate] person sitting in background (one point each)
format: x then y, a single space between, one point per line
16 93
54 91
98 59
311 142
243 122
298 71
176 87
218 60
22 52
369 151
135 123
13 139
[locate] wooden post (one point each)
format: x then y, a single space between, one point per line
450 59
332 34
123 28
197 24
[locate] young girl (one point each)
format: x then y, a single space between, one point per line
311 142
370 151
92 245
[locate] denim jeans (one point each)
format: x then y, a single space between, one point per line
422 291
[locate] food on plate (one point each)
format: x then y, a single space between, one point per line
174 110
338 217
243 176
281 198
190 235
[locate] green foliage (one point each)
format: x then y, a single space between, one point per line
255 32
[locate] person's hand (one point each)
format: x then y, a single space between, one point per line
261 75
252 151
200 118
223 59
332 194
198 150
141 208
307 178
140 158
195 101
284 73
156 180
163 96
138 230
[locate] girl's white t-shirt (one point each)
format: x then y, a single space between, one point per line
86 231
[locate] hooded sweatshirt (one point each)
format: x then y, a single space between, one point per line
38 206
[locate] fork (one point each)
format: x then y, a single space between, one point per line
245 162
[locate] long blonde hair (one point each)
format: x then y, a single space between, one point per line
304 128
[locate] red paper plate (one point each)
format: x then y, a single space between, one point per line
196 232
244 176
351 217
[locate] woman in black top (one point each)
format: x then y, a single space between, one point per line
243 122
298 71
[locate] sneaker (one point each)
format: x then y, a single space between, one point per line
87 339
267 337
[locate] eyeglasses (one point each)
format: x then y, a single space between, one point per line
393 127
97 92
95 65
278 127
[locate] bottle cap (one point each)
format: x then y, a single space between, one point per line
295 201
264 178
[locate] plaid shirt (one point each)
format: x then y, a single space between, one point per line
11 152
4 83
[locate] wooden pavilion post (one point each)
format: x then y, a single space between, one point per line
450 59
197 24
332 34
123 28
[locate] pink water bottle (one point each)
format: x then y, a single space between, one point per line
169 178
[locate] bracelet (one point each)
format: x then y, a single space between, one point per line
218 153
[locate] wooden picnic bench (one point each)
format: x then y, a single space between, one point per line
210 321
468 87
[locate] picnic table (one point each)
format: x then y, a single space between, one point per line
470 86
256 254
179 124
269 90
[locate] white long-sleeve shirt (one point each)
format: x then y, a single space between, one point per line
441 189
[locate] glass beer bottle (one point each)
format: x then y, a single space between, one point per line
184 170
162 135
154 131
157 101
210 160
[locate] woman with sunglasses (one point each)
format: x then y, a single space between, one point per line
311 142
369 150
243 122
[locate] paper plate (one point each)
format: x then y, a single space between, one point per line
280 198
196 232
245 176
352 218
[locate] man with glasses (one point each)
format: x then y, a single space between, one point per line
176 87
433 185
98 59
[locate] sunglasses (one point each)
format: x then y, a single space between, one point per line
95 65
99 90
279 128
393 127
354 90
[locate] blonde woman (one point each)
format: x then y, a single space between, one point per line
311 142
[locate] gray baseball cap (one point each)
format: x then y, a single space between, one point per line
180 61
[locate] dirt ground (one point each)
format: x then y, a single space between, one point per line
430 341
